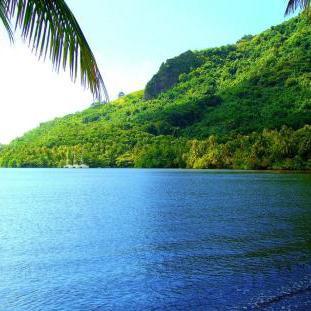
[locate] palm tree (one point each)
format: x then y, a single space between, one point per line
293 5
51 29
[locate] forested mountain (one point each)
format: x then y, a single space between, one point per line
245 105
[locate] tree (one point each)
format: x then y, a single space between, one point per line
293 5
51 29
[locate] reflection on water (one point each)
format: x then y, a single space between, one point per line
111 239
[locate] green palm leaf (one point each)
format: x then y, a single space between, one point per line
5 20
51 29
293 5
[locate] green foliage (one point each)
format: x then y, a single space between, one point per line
293 5
51 28
170 72
246 106
270 149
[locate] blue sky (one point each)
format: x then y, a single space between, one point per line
134 32
130 39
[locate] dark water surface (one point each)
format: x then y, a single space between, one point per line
122 239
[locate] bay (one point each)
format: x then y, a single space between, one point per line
135 239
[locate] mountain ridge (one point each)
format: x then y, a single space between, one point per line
242 102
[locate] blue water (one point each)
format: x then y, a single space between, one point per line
125 239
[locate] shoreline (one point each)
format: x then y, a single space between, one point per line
215 170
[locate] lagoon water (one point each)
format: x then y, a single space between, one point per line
127 239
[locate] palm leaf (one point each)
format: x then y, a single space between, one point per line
293 5
5 20
51 29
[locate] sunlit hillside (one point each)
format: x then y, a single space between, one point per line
245 105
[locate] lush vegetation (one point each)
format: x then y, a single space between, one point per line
244 106
169 72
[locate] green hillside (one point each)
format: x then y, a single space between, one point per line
245 106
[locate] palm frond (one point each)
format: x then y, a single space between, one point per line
293 5
51 29
5 20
